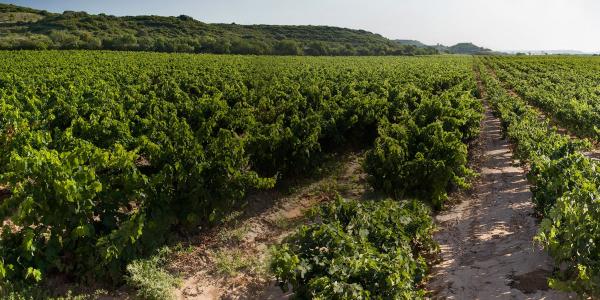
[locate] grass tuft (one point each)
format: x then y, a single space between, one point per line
151 281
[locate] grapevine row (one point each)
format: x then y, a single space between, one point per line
566 88
104 154
564 186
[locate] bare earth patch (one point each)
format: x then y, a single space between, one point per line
230 262
487 240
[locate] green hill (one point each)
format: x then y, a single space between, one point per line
460 48
25 28
467 48
463 48
411 43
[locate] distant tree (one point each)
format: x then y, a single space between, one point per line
71 14
142 32
287 47
194 43
222 46
346 50
146 43
182 45
185 18
240 46
125 41
383 50
207 44
363 51
89 41
65 40
30 42
249 46
316 49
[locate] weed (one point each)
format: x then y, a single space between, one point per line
150 280
231 262
234 235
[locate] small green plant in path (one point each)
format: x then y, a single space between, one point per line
151 280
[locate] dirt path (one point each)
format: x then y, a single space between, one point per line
487 240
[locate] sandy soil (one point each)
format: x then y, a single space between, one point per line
487 240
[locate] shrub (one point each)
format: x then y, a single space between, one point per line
358 250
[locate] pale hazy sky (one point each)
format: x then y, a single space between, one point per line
496 24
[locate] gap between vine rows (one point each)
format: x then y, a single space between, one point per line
487 240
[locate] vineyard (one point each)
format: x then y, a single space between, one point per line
563 174
566 89
104 154
107 156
